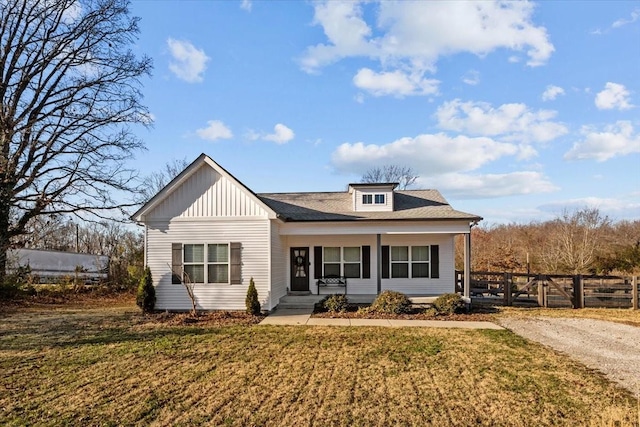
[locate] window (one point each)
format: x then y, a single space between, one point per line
194 263
403 257
342 262
351 260
331 262
367 199
420 261
217 263
379 199
399 262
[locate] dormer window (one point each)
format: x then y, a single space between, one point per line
379 199
367 199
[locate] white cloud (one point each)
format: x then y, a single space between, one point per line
635 14
471 77
246 5
613 95
552 92
491 185
429 154
615 140
281 135
189 62
414 35
215 130
397 83
515 122
625 205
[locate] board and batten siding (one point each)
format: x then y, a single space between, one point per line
206 193
278 264
253 235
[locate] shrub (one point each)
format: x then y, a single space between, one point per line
252 303
335 303
146 296
391 302
448 304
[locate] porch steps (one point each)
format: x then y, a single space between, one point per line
299 301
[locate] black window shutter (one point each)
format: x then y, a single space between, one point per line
317 262
366 262
176 263
435 261
385 262
236 263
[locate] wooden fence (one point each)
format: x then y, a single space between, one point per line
554 290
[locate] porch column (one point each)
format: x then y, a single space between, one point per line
466 293
379 263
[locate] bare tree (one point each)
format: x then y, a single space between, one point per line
154 182
575 237
403 175
69 90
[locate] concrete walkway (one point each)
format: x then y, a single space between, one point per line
303 317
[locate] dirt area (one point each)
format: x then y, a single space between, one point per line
609 347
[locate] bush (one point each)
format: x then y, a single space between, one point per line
335 303
252 303
449 304
146 296
391 302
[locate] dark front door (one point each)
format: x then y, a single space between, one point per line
299 269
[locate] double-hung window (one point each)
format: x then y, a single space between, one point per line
217 263
194 263
379 199
367 199
345 262
409 261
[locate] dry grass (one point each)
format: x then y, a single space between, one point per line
114 367
620 315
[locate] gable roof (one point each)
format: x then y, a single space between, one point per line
184 175
338 206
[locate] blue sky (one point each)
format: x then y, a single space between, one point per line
512 110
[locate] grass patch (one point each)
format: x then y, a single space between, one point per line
116 367
619 315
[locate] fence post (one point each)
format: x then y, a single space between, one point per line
506 286
578 291
635 292
540 290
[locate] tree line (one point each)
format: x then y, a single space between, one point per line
582 241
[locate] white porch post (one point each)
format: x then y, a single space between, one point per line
467 266
379 262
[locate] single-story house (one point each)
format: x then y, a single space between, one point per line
209 229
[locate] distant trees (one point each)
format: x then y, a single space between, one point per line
154 182
582 241
69 90
403 175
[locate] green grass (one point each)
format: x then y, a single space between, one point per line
116 367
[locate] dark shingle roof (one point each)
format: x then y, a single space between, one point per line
338 206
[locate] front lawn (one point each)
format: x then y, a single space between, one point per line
105 366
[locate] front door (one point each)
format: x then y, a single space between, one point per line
299 269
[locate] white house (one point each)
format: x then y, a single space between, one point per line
207 227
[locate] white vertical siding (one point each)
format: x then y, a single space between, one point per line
279 264
207 193
252 234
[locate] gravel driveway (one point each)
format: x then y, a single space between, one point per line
612 348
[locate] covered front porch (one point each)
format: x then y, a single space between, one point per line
415 258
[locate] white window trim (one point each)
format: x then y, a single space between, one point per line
367 199
384 199
409 261
342 261
206 262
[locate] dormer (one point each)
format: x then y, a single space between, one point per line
372 197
